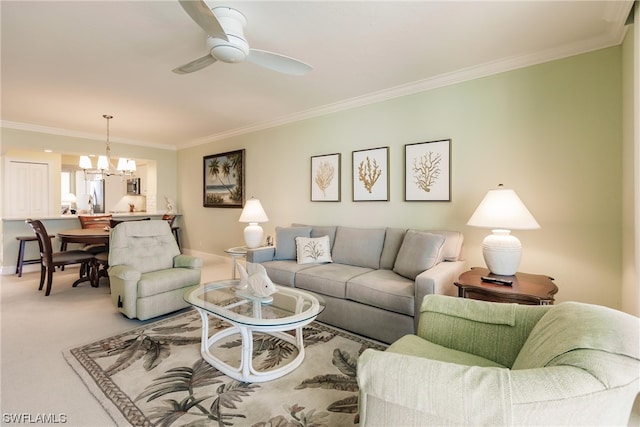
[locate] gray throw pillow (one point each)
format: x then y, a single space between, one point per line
286 241
419 252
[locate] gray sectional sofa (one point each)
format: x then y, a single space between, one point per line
377 277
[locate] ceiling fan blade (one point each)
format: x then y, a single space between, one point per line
204 17
277 62
195 65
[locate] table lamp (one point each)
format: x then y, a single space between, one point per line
502 211
68 200
253 213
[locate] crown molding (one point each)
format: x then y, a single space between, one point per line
447 79
84 135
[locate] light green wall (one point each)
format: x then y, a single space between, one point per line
552 132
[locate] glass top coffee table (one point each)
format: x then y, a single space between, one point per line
287 309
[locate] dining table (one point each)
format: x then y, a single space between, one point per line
87 236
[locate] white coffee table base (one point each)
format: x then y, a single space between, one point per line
246 372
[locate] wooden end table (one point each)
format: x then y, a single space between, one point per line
531 289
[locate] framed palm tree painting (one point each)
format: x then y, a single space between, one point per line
223 180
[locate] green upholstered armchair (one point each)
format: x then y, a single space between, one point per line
148 275
484 363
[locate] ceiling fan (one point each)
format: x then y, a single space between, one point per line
225 29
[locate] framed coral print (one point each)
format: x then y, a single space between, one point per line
325 178
427 170
371 175
223 180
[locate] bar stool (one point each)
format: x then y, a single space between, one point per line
21 261
170 218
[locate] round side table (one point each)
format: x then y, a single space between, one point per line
236 253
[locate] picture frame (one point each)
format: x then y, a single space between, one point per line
223 180
427 171
370 175
326 180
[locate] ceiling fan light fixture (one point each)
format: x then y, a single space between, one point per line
232 51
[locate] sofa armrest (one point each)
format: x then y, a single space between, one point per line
398 389
263 254
187 261
437 280
124 288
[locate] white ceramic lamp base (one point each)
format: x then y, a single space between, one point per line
253 235
502 252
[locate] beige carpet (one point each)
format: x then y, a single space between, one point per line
154 375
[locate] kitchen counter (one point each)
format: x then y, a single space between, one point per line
68 216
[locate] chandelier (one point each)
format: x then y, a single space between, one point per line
125 167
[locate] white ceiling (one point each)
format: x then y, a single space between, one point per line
65 64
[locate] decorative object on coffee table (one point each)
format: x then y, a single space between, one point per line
502 211
257 282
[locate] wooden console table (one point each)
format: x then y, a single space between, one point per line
531 289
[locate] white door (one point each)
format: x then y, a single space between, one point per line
27 188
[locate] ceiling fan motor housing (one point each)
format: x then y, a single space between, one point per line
233 23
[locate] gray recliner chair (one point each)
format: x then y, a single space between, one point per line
148 274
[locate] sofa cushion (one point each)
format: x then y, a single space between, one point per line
283 272
157 282
393 238
419 252
452 248
383 289
313 250
286 241
360 247
321 230
328 279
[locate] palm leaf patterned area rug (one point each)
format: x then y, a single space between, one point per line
154 375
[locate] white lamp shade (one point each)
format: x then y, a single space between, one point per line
69 198
253 212
85 162
131 164
122 164
103 163
503 209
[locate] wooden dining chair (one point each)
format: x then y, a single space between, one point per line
95 221
49 260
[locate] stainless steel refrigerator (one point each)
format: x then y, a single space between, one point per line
96 191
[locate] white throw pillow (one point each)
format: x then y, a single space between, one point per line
313 250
